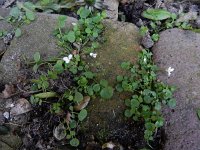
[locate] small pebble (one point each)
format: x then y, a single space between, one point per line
6 115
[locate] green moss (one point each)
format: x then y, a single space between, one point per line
121 44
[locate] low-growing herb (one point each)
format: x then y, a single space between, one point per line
148 95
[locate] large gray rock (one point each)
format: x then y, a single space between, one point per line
180 50
36 37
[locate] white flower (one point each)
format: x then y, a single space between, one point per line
145 59
94 55
6 115
169 71
68 58
73 23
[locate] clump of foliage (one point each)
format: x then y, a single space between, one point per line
161 19
148 94
84 33
59 5
22 13
68 79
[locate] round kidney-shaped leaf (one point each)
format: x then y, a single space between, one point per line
107 92
82 115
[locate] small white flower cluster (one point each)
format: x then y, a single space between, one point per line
169 71
94 55
145 60
68 58
73 23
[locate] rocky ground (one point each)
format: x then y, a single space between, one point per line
176 48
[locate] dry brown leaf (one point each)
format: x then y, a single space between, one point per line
68 118
82 104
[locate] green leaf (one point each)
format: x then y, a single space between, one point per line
148 135
89 74
35 68
90 90
82 81
126 65
95 44
71 37
128 113
58 67
156 14
36 57
104 14
135 103
172 103
82 114
198 113
61 21
30 15
155 37
88 31
158 106
119 78
74 142
159 123
143 30
46 95
106 93
95 34
119 88
148 99
78 97
73 124
52 75
83 12
104 83
96 87
149 126
18 32
127 102
55 7
15 12
29 5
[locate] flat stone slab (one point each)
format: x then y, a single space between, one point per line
36 37
180 49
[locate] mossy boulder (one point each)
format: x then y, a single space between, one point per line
122 44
